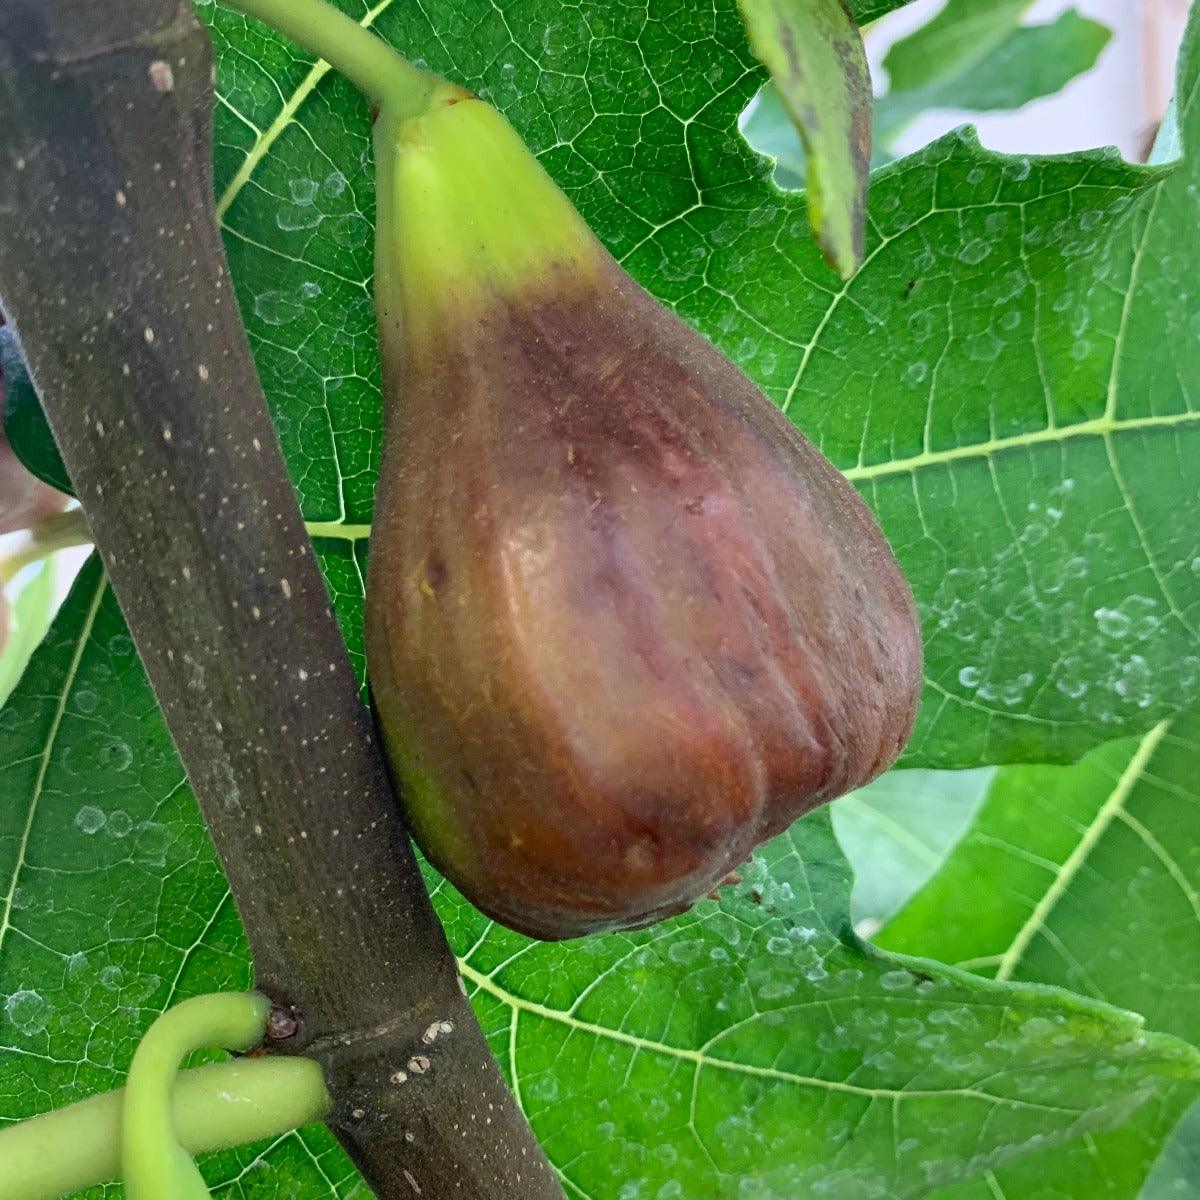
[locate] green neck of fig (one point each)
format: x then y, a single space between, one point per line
466 218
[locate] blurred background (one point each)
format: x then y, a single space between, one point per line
1118 102
1034 76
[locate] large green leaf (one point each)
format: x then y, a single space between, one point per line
1008 379
751 1048
1086 876
1003 348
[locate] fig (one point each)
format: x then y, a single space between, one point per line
624 622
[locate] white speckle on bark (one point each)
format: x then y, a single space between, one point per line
162 76
286 589
202 371
166 433
148 334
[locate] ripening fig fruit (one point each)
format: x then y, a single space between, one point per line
624 622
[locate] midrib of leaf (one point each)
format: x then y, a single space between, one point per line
1169 862
85 631
1103 427
287 114
701 1059
1109 811
1097 427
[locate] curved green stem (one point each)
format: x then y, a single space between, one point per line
366 60
212 1108
155 1165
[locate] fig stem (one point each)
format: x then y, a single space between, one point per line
378 71
214 1107
154 1164
59 532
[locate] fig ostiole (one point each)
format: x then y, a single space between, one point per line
624 622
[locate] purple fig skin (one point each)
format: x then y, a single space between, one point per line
624 622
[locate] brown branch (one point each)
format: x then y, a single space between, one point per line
114 276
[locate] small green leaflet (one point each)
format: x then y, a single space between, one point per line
978 55
961 36
816 59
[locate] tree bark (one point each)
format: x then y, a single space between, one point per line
113 273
